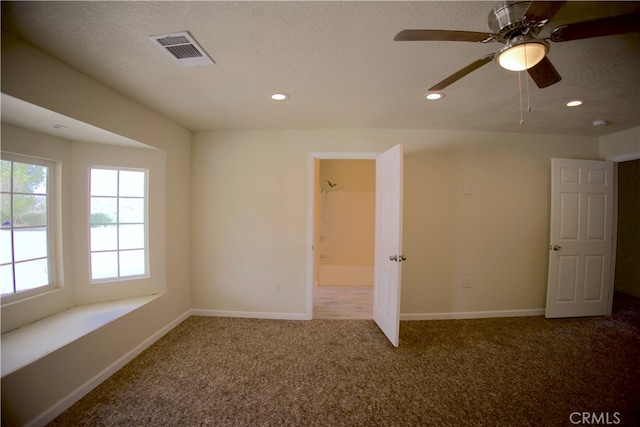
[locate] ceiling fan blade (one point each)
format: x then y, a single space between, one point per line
442 35
609 26
460 74
544 73
539 11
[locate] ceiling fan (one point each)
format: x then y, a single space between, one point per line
517 24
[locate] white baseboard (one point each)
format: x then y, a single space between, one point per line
64 404
472 314
249 314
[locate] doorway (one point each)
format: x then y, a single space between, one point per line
627 270
313 208
344 238
388 256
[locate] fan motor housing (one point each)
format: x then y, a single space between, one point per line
506 19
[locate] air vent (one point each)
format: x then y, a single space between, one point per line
183 48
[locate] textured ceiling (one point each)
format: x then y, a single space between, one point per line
338 62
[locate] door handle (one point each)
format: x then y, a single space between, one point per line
393 258
397 258
556 247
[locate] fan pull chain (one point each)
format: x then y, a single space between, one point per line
520 88
520 91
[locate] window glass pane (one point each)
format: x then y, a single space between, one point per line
5 210
29 243
104 210
132 236
24 218
104 182
5 178
29 178
104 237
5 247
118 197
131 210
104 265
132 183
132 263
32 274
6 279
29 210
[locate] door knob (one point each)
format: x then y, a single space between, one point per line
557 247
393 258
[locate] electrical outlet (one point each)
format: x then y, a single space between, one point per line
465 282
276 288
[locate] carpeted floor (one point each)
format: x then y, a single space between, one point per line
527 371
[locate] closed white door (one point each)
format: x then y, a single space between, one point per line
581 238
388 243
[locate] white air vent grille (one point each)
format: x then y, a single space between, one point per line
184 51
183 48
172 40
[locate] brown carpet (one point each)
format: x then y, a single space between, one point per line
527 371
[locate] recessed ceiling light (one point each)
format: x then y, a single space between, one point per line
433 96
574 103
279 96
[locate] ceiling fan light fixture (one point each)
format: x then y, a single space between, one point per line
522 54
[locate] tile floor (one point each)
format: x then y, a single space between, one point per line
334 302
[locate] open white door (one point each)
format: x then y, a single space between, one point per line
581 238
388 243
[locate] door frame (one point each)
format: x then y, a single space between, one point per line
311 182
614 239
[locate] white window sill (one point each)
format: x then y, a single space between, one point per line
27 344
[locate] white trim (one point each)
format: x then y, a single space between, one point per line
472 314
624 157
311 178
337 155
62 405
249 314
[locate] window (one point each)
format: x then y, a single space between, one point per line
26 235
118 218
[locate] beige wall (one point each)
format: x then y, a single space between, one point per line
249 216
32 76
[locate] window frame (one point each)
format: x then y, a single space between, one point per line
147 266
52 226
